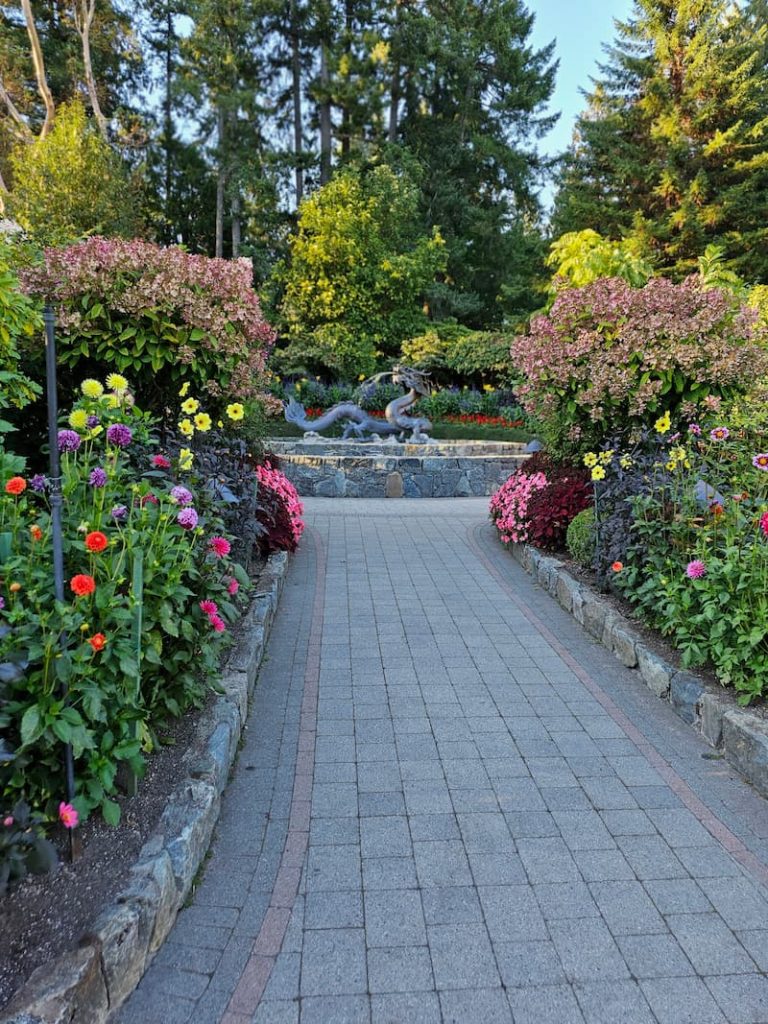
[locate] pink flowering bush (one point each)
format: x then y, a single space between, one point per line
280 510
161 314
607 356
509 505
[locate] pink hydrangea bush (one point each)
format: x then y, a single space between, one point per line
608 356
152 310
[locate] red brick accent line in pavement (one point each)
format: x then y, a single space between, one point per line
717 829
267 944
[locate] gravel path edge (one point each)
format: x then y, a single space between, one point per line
86 985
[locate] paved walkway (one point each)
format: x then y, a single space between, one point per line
505 825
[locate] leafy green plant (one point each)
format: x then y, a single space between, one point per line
581 537
24 849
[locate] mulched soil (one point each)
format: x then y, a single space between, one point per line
46 915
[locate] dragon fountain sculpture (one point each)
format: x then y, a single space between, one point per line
365 427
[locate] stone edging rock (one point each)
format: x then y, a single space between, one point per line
741 735
85 985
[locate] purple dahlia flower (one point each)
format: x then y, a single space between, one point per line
120 512
187 518
38 483
119 435
68 440
98 477
181 496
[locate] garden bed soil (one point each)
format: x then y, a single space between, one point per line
45 915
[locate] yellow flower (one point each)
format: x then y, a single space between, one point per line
626 461
191 405
92 388
95 431
235 411
186 458
117 383
84 628
78 419
662 424
488 387
671 465
111 401
361 377
278 378
605 457
187 427
679 453
590 459
203 422
184 389
598 473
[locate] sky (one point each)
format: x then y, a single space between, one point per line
579 28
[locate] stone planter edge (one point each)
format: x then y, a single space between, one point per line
86 985
740 734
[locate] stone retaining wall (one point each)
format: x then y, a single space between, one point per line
445 469
741 734
86 985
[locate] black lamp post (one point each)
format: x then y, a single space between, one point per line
58 548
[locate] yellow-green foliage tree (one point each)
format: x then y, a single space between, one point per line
70 183
358 270
578 258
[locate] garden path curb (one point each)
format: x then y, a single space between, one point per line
86 985
741 735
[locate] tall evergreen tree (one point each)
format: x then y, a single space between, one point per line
673 146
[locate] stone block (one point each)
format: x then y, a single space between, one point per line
745 741
123 933
565 589
235 685
394 485
188 822
657 673
72 988
152 881
594 614
464 488
620 640
711 709
685 693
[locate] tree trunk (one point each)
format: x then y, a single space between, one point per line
325 115
221 184
346 114
168 111
21 129
394 82
39 65
236 225
84 12
298 125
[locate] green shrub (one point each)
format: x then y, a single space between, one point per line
581 537
71 184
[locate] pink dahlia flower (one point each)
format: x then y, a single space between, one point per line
220 546
696 569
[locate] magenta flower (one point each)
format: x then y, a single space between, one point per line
761 461
696 569
695 429
220 546
119 435
187 518
233 586
720 434
217 622
68 440
160 462
98 477
764 523
68 815
8 821
181 496
209 607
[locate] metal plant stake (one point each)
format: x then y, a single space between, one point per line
75 846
